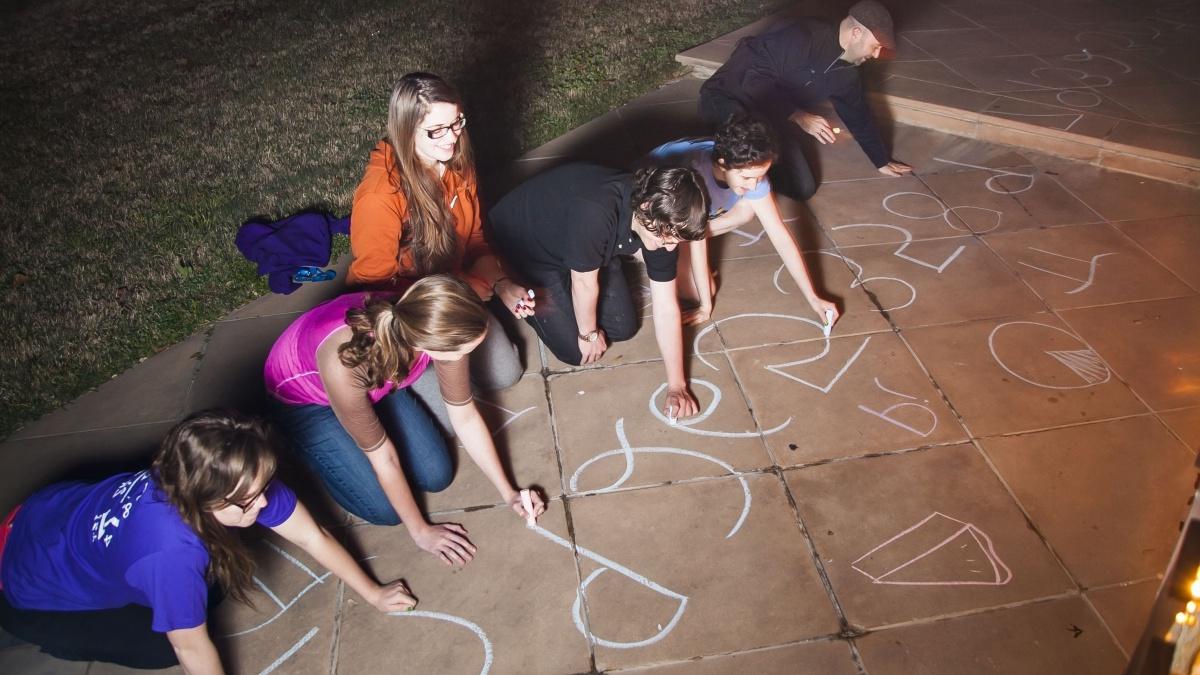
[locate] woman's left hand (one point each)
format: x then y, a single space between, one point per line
518 300
535 496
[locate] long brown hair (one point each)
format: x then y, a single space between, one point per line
429 230
208 461
439 312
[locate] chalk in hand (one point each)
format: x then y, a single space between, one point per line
671 415
828 325
527 502
837 130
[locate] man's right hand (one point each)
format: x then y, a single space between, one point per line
814 125
447 541
589 351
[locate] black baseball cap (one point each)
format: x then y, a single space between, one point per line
877 19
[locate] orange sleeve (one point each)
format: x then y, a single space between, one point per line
375 229
469 226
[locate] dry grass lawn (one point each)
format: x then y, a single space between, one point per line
139 135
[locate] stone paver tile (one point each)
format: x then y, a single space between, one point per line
650 126
602 140
33 463
751 241
1157 103
152 391
1020 374
935 92
1063 636
758 303
520 425
926 71
903 203
1108 497
516 595
929 16
1151 345
907 283
1122 196
31 661
697 557
841 160
292 626
1085 265
1174 242
595 410
1126 609
1081 100
302 299
932 152
961 43
1018 72
828 657
1175 141
849 396
231 372
921 534
1056 117
1040 36
1186 424
1004 200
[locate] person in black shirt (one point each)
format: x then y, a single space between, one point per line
565 231
782 73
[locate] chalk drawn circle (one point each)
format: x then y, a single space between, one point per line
1076 98
913 210
1060 356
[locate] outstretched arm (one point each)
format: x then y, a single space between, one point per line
473 433
668 331
303 531
768 214
585 297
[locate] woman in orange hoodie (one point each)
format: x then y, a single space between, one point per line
416 212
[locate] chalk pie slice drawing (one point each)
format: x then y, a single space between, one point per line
937 551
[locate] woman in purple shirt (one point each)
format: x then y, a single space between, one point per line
121 570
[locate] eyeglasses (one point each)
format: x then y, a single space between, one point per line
456 126
249 503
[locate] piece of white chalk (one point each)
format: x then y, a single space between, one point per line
828 325
837 130
527 502
671 415
529 292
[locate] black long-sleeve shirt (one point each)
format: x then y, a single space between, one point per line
796 66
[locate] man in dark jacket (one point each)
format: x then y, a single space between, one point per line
783 73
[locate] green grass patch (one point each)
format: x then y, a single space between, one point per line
140 135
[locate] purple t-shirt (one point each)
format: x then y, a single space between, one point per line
86 546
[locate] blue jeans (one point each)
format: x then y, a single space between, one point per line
328 450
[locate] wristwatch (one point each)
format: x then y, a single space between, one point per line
590 337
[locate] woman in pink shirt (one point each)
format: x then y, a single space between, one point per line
341 375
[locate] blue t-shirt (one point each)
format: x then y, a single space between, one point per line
86 546
697 154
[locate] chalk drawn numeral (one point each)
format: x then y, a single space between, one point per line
908 239
1084 283
886 413
777 368
628 453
